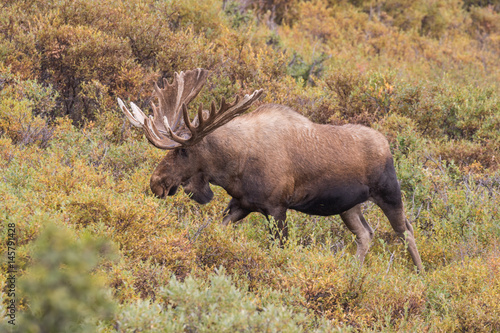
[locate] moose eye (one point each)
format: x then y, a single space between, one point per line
183 152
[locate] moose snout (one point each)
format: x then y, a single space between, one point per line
161 189
157 187
158 191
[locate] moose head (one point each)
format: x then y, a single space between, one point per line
170 128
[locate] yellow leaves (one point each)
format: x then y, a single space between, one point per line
89 52
6 150
485 20
62 126
389 88
133 82
474 168
18 122
467 291
309 35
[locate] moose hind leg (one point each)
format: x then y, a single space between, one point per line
356 223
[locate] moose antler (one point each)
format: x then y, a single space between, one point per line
166 129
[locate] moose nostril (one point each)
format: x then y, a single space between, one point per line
172 190
158 190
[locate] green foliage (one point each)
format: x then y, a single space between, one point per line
60 289
19 124
216 305
198 306
23 105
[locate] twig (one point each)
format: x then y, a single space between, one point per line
390 263
198 232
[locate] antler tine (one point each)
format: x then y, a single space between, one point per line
213 108
162 129
223 104
228 111
183 89
137 118
170 120
219 118
188 123
200 115
156 139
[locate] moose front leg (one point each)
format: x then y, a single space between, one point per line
278 230
234 212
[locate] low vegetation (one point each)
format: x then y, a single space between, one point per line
96 251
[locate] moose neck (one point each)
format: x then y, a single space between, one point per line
221 159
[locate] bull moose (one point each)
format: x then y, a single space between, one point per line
271 160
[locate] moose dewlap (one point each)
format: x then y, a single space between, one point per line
271 160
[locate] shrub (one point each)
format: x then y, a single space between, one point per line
19 124
212 306
451 296
76 54
60 288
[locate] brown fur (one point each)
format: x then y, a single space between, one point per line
274 159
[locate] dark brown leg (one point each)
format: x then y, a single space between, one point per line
280 231
403 229
234 213
387 195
